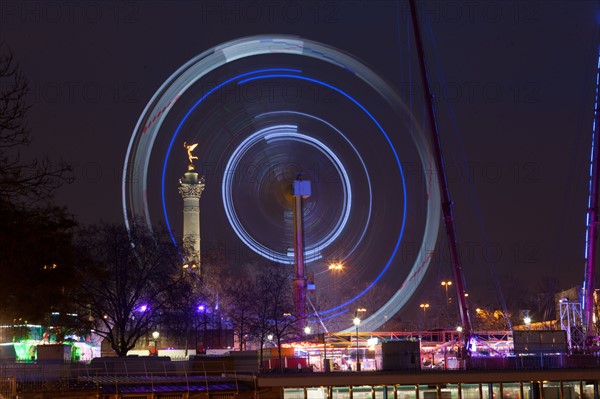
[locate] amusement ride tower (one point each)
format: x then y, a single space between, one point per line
190 188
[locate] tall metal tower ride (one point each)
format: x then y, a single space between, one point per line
592 221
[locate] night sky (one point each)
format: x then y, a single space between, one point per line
514 82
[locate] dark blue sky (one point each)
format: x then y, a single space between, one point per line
514 82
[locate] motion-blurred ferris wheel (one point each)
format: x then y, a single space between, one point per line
266 109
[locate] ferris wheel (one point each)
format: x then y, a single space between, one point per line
266 109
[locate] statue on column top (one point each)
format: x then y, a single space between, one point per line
189 149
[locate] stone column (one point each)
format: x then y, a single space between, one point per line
190 188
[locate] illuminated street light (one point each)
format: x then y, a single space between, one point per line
424 306
336 266
527 321
446 284
356 322
307 330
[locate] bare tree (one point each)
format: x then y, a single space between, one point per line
124 282
185 306
274 306
21 182
240 293
35 235
490 320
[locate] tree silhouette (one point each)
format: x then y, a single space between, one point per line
239 295
21 182
274 307
125 281
35 236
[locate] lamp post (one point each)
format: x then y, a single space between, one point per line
326 366
335 268
307 331
202 311
446 284
424 306
356 322
155 336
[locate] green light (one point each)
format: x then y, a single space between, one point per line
25 350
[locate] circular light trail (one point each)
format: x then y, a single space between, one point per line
135 174
242 234
273 134
396 158
369 188
181 123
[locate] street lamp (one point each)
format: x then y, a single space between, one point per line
307 331
356 322
424 306
446 284
336 266
155 335
202 310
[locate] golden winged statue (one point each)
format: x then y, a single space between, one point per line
189 149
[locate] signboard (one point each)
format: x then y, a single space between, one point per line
548 341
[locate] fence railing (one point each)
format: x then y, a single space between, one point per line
115 377
532 362
8 387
